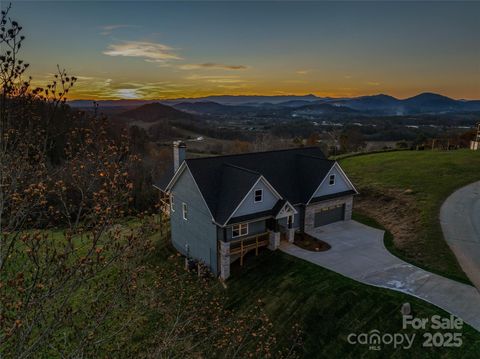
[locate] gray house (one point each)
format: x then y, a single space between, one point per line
223 207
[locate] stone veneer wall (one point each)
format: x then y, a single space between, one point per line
224 260
312 208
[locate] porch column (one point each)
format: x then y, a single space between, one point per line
348 208
309 219
224 260
290 235
274 239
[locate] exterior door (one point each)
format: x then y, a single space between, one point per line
329 215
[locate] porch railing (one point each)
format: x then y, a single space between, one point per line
246 244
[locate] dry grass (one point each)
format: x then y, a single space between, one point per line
404 190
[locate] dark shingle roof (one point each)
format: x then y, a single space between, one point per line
225 180
235 183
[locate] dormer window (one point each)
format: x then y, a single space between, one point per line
258 197
331 181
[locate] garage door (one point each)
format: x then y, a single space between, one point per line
329 215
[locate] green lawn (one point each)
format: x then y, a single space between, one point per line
432 176
328 307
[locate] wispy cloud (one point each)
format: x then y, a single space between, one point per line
212 66
235 86
149 51
216 79
106 88
84 78
348 77
372 83
108 29
302 72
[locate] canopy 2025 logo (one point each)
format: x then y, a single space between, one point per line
438 332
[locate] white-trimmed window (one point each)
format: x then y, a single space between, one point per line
172 207
239 230
331 180
258 195
184 211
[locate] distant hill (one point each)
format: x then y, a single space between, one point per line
223 100
381 104
422 103
109 103
471 105
298 103
322 109
242 100
430 102
155 112
210 108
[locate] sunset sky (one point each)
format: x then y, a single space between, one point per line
155 50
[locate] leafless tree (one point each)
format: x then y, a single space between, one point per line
83 188
71 271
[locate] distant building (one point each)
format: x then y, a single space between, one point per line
475 144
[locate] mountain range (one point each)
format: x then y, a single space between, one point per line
299 105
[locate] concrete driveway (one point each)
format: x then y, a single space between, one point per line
460 220
358 252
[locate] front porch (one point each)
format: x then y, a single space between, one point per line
235 249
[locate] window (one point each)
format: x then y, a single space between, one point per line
258 195
239 230
184 211
171 203
331 181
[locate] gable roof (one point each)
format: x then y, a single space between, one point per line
225 180
235 183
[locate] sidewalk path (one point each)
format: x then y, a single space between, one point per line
460 220
358 252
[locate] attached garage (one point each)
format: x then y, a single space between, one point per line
329 215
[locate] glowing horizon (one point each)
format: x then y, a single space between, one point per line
158 50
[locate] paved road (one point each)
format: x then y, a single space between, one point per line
460 220
358 252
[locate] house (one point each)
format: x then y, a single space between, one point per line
475 143
222 207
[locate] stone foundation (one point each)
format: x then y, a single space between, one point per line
291 235
224 260
274 238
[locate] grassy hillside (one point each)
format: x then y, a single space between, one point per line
419 182
328 307
324 305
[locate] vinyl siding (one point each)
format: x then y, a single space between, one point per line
198 231
341 184
298 220
249 206
253 228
